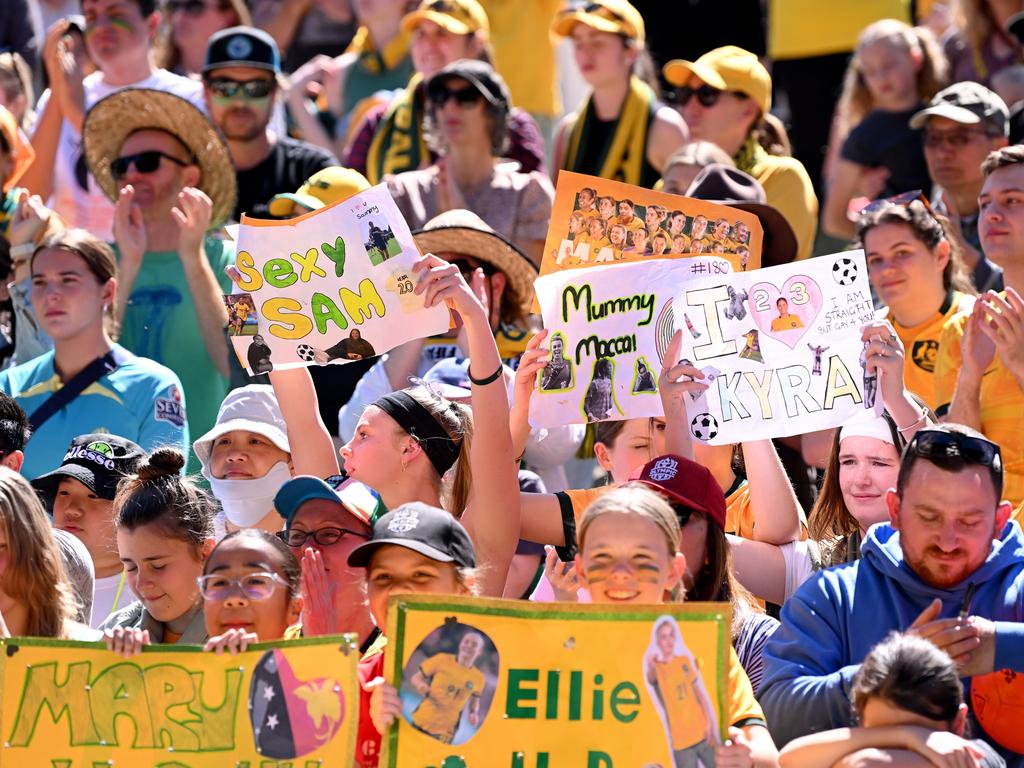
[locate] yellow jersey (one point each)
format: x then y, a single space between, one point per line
451 686
786 323
921 345
677 685
789 190
1002 403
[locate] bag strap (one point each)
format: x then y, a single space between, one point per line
78 383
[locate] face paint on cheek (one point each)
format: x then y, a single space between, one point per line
127 27
648 573
596 573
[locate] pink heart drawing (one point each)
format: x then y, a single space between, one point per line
786 314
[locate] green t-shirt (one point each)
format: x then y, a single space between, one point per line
161 323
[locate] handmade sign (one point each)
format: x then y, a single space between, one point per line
68 704
510 683
609 328
597 221
331 286
780 348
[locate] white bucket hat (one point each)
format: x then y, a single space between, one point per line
252 408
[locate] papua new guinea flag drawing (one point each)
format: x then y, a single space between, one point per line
291 718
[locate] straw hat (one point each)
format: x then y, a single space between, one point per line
462 231
115 118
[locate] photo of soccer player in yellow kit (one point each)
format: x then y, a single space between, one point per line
445 682
676 684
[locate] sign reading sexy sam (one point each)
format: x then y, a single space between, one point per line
780 348
527 685
334 285
72 705
608 328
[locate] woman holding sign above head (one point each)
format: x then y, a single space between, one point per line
916 270
622 132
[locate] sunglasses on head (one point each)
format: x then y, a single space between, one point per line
464 97
144 162
902 200
252 90
953 448
705 94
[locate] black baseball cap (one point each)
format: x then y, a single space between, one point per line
98 461
968 103
422 528
480 75
242 47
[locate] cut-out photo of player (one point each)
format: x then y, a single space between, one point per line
638 241
448 683
659 244
258 356
606 209
676 223
654 218
785 321
698 227
379 240
599 400
627 215
817 352
586 201
354 347
557 374
242 318
737 308
675 683
643 378
741 233
870 379
752 349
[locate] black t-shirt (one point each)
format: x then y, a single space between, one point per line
886 139
285 169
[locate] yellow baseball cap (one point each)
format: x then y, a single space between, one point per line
460 17
322 188
615 16
728 69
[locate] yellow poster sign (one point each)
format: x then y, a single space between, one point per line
507 683
77 705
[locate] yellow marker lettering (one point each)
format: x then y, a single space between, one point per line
307 265
286 318
251 278
359 305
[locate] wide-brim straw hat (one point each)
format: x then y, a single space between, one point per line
115 118
462 231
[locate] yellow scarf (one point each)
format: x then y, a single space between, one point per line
398 145
622 157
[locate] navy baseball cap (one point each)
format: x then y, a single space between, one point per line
242 47
354 496
98 461
422 528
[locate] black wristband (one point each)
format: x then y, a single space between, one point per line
483 382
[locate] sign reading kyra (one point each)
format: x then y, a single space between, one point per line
779 347
334 285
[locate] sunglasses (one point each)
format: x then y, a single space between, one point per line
705 94
252 90
902 200
464 97
254 586
144 162
951 448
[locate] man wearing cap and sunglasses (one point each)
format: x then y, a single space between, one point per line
949 568
241 90
724 96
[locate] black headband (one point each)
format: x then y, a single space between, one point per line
440 448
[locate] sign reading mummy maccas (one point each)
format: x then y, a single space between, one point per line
780 348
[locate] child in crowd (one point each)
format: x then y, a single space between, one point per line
894 71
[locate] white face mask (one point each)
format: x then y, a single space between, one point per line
246 502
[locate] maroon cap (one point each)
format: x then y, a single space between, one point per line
685 482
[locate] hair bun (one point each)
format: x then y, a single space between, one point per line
163 462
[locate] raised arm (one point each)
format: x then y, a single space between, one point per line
311 445
677 380
776 511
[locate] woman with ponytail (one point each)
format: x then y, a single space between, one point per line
164 535
622 131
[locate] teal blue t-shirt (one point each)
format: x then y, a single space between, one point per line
161 323
140 400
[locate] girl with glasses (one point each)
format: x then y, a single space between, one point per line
622 131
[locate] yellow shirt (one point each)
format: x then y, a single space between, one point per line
789 190
524 52
635 223
1002 403
921 343
451 685
802 28
786 323
677 686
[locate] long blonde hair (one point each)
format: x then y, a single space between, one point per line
639 500
856 100
35 575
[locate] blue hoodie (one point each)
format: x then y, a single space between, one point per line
831 623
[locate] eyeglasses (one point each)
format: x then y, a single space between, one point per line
188 7
144 162
705 94
252 90
953 448
325 537
902 200
464 97
254 586
957 139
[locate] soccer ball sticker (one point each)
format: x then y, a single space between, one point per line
844 271
704 427
305 352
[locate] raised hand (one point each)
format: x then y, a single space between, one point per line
129 229
192 215
233 641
